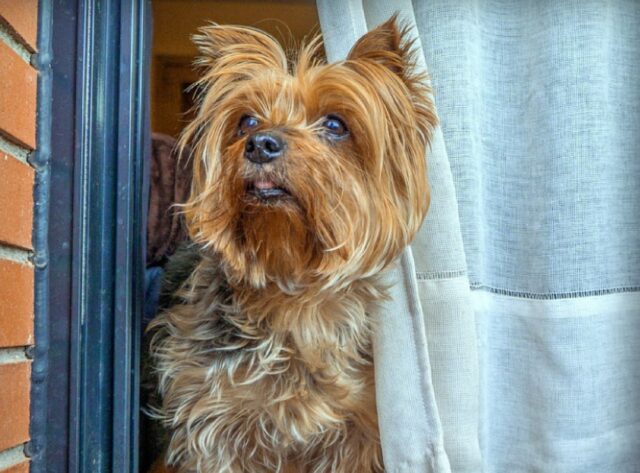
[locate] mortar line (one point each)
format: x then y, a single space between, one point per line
18 152
8 37
12 355
12 457
17 255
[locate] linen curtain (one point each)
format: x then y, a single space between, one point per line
511 343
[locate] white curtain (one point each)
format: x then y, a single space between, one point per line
511 344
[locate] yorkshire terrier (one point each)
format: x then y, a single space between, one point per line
308 181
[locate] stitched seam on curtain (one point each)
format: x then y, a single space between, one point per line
426 276
551 295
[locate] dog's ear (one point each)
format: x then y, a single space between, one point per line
238 47
389 46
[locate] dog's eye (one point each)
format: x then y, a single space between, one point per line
334 127
247 122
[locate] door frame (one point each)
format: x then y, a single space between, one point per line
89 237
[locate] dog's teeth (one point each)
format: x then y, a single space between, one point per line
263 184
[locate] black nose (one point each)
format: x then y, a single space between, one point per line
263 147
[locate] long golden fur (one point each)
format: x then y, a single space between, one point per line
265 365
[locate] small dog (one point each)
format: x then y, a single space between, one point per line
308 181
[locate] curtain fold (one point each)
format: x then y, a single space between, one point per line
526 273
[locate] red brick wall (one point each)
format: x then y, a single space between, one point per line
18 31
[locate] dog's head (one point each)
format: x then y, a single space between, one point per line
306 171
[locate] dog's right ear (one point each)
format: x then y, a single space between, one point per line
238 48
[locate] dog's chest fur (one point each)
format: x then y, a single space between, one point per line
284 376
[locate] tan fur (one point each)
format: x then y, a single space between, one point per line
266 366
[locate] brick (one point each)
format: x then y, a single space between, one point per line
15 379
17 98
16 202
21 16
16 305
22 467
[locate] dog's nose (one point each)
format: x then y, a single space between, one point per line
263 147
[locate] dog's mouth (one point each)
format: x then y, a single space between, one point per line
266 189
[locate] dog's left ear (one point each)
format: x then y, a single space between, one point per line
388 45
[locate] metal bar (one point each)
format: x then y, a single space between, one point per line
55 313
40 160
94 269
130 215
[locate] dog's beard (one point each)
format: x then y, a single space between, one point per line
276 241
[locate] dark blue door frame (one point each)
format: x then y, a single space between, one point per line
89 234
